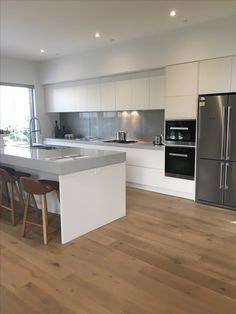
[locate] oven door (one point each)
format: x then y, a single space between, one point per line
180 162
180 132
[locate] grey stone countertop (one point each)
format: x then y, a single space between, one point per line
138 145
59 161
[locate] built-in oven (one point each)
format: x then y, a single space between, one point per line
180 132
179 162
180 148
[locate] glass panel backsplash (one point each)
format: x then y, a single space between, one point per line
140 125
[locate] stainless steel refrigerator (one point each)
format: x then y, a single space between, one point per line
216 153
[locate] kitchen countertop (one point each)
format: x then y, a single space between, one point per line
138 145
60 161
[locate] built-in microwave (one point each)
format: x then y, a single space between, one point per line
180 132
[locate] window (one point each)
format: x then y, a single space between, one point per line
16 110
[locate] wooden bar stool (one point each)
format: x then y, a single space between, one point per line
38 187
8 179
17 175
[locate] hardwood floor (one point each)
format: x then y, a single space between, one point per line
169 255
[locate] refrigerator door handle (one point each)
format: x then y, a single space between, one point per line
223 133
228 134
221 175
226 176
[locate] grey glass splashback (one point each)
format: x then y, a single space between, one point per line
141 125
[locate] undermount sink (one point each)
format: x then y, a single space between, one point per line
43 146
68 157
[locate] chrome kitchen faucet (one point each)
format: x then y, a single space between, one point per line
34 121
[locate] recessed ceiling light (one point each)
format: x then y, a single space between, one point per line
172 13
97 35
42 50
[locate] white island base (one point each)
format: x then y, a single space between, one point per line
92 184
90 199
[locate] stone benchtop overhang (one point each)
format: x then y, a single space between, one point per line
59 161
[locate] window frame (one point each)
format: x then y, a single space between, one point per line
31 95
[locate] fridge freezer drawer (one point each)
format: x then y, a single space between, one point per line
230 184
210 181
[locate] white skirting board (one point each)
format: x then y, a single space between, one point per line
90 199
190 196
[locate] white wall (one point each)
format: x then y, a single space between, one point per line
25 72
205 41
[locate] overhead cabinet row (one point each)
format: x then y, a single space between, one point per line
174 89
127 92
184 82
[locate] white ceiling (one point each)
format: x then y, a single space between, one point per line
64 27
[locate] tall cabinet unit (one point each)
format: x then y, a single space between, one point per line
181 91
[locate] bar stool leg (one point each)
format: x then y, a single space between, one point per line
12 204
1 194
36 216
45 219
25 213
19 195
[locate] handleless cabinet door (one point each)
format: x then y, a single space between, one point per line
123 93
108 95
157 89
231 129
230 184
209 182
93 96
212 126
215 75
140 92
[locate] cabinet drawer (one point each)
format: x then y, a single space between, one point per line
144 176
145 158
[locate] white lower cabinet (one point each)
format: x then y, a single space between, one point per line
144 169
144 176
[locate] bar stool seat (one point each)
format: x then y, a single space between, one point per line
38 187
9 179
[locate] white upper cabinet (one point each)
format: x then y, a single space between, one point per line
81 97
140 91
156 89
181 91
233 76
181 107
215 76
60 98
50 99
123 93
108 95
182 79
93 96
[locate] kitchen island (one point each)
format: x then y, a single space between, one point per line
92 183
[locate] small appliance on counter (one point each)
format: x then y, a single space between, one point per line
69 136
121 136
158 140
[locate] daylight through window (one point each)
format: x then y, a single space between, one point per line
16 109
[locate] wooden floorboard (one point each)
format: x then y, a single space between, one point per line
167 256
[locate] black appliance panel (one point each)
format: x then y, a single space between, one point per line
179 162
180 132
